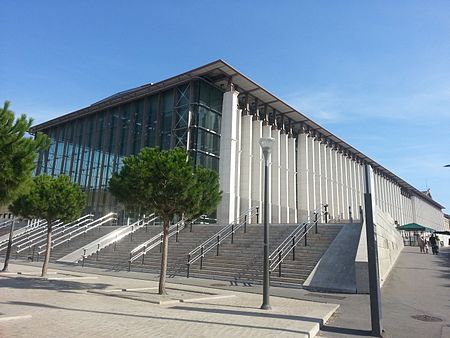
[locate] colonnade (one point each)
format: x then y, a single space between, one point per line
306 172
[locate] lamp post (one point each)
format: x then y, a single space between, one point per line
266 146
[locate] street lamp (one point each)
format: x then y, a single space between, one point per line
266 144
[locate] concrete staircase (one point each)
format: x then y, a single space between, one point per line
117 258
242 261
64 249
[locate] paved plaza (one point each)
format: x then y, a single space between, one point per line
74 304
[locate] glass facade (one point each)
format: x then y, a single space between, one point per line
91 148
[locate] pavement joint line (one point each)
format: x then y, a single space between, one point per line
73 278
7 319
191 300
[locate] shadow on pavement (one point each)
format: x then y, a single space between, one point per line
347 332
47 284
249 314
271 328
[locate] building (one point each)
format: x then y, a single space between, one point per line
218 114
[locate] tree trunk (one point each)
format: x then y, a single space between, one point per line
165 251
48 250
8 250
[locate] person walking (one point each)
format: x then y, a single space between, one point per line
434 245
421 243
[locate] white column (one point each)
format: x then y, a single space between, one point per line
292 181
311 176
323 175
229 157
246 177
267 132
317 172
302 176
335 207
275 177
329 178
284 190
257 168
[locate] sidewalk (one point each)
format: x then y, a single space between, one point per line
419 285
75 304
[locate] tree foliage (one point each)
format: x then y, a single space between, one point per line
50 198
165 182
18 152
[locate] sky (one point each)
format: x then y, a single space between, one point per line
374 73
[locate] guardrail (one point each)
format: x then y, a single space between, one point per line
114 237
22 232
37 237
300 233
214 241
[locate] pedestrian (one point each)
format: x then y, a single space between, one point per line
434 245
421 243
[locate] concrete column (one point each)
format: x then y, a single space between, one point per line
311 176
303 177
323 175
292 181
335 207
275 177
246 177
317 174
329 178
267 132
257 169
229 157
284 190
341 191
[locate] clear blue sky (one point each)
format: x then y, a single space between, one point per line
377 74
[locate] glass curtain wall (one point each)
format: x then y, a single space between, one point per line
91 148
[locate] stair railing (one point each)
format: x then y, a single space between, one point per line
21 234
157 240
115 236
214 241
300 233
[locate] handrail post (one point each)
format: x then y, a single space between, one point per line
279 263
176 236
325 206
306 234
115 242
143 253
350 218
160 242
293 248
257 215
98 249
201 258
32 256
218 244
190 226
245 224
232 233
84 256
316 216
188 265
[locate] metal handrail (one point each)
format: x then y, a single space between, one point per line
21 233
67 230
142 249
93 224
5 223
214 241
116 236
31 240
299 233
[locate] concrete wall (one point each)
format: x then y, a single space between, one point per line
390 244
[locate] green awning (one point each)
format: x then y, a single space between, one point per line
414 227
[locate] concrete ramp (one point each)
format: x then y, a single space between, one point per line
335 271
